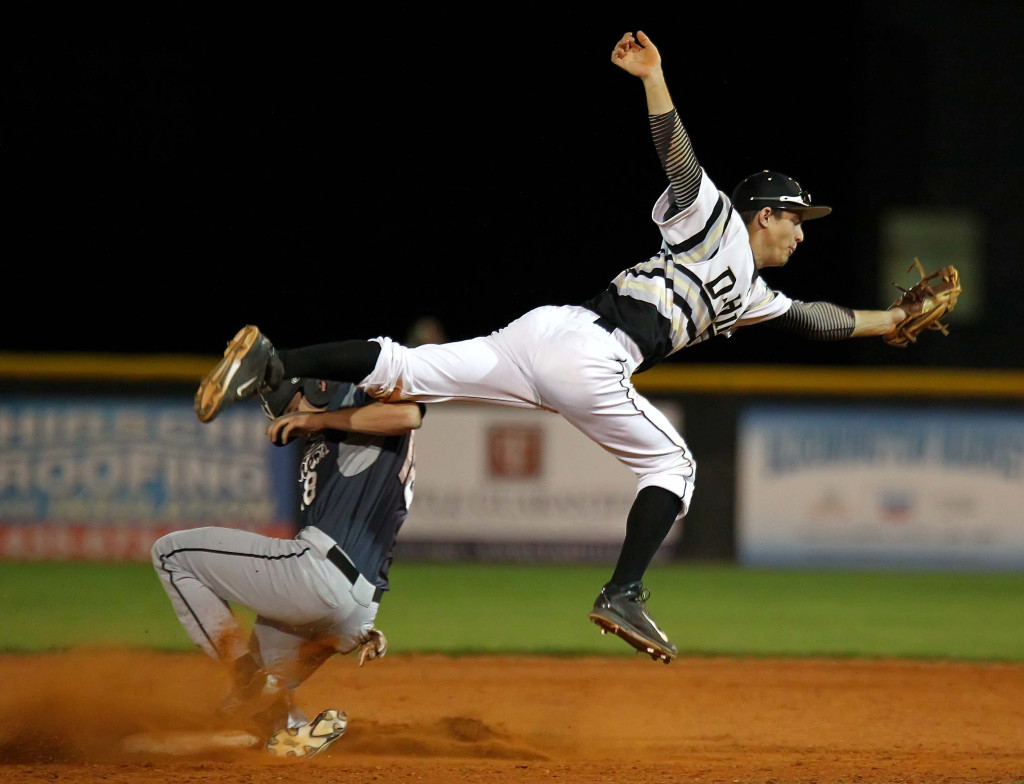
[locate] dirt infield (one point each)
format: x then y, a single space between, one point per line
427 719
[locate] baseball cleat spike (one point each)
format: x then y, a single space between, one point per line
311 738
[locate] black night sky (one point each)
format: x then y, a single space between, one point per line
338 177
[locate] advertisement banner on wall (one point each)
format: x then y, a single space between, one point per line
880 487
102 478
508 484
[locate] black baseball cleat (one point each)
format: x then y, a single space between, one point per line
249 365
622 610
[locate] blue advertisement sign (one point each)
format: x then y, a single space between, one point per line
110 463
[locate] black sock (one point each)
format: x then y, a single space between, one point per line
347 360
650 519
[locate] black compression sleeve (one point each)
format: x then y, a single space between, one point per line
817 320
348 360
677 158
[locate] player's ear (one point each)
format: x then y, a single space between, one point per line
763 216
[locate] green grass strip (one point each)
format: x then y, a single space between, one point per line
473 608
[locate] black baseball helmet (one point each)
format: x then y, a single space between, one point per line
772 189
274 402
318 393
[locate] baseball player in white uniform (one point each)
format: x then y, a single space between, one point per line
578 360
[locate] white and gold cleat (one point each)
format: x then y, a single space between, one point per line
309 739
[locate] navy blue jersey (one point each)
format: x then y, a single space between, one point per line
357 488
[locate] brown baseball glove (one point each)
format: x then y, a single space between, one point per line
925 303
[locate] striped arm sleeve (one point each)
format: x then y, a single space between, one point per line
817 320
677 159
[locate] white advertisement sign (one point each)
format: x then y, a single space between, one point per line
486 474
880 487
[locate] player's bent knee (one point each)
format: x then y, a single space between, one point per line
678 482
158 550
165 547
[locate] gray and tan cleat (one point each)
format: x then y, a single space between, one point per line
622 610
249 365
309 739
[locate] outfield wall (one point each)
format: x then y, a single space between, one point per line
847 485
796 466
839 467
102 477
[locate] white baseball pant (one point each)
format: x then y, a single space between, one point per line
299 596
554 358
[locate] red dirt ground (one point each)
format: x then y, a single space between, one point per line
428 719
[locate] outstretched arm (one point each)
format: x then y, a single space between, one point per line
379 419
640 57
872 323
825 321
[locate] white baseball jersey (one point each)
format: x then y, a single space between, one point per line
578 360
703 282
